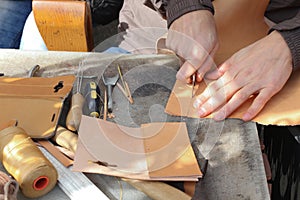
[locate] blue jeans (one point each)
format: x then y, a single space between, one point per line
13 14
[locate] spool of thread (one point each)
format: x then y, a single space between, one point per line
26 163
8 187
66 138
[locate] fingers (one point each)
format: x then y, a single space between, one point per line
204 65
226 100
185 72
236 101
216 95
207 65
218 72
259 102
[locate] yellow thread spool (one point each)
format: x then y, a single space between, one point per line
26 163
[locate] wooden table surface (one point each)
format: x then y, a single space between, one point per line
235 167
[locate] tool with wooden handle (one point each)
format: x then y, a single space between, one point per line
74 115
75 112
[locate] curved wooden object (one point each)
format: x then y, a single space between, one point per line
65 25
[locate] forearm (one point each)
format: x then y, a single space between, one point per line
290 31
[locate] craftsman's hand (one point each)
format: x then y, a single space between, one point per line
260 69
193 37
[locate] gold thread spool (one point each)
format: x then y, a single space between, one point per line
26 163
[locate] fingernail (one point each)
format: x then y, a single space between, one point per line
219 116
201 112
197 103
246 117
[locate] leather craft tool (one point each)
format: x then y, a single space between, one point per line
110 82
77 102
193 84
125 89
93 103
33 70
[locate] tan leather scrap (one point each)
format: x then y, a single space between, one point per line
35 103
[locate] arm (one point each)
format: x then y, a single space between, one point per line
260 69
192 36
290 31
254 74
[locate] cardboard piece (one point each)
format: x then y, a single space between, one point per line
282 109
156 151
35 103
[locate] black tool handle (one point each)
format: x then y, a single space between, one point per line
92 99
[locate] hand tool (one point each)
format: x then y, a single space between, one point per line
193 84
125 93
33 70
125 89
77 102
92 99
110 82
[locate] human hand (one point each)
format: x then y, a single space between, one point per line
193 37
261 69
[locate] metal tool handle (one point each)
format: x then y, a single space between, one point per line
109 103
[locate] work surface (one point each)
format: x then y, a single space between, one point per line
235 167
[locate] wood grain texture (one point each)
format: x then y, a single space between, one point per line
64 25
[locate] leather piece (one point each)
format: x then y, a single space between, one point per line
35 102
282 109
155 151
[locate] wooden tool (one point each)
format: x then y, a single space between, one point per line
125 89
77 102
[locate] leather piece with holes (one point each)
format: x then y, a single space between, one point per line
35 103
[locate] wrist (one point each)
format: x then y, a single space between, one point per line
292 40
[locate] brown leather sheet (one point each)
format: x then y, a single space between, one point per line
282 109
35 102
155 151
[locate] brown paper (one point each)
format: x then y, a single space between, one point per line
156 151
282 109
34 102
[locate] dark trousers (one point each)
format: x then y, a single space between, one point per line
13 14
283 152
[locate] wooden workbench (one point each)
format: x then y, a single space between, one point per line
235 167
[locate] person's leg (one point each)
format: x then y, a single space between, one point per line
13 14
284 155
140 27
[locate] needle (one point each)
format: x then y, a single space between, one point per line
193 82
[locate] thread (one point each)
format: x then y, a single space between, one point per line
22 159
8 187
